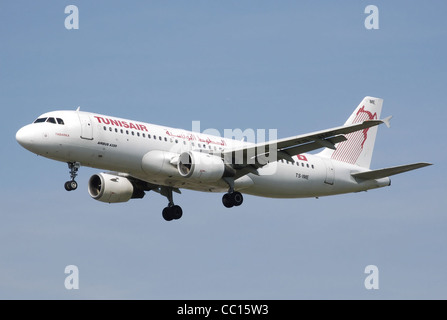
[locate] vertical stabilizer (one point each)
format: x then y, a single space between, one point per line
359 146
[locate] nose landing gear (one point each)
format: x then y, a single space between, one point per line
72 184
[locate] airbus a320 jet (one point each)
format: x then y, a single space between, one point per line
141 157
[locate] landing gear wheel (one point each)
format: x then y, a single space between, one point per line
172 213
177 212
237 198
71 185
232 199
227 201
167 214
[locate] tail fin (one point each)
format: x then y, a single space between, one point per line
358 148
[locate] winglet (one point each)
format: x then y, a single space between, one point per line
387 121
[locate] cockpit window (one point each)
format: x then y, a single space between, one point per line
40 120
50 120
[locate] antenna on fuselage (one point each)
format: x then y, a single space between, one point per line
79 108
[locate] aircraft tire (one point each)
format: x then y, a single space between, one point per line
237 198
176 212
71 185
227 200
167 214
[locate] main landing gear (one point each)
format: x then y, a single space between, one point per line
232 198
72 184
172 211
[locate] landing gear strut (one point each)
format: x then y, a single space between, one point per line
172 211
72 184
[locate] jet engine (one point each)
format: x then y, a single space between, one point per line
202 166
112 188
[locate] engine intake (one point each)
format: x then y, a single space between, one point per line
111 188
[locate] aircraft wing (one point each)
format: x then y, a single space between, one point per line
255 155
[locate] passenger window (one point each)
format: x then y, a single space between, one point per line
40 120
144 135
122 131
308 165
51 120
166 139
116 130
110 129
105 128
149 136
159 138
60 121
133 133
127 131
138 134
302 164
312 166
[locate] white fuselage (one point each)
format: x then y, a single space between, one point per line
121 145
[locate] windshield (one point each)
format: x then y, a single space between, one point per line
50 120
40 120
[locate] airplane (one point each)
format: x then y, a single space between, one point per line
141 157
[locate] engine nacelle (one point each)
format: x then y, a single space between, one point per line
201 166
111 188
160 163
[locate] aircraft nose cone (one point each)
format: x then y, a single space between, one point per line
25 137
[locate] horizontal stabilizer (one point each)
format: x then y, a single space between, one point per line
382 173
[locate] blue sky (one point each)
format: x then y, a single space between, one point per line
295 66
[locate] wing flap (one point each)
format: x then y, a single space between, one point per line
386 172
